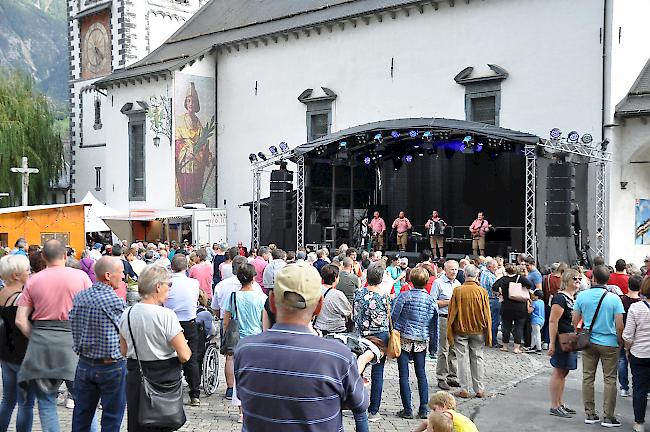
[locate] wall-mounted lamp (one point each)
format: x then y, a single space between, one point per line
623 185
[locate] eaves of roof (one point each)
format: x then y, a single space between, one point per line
637 102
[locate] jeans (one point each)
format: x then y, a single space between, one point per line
361 421
191 368
623 379
495 311
608 357
419 360
12 395
47 410
433 335
377 378
93 382
640 386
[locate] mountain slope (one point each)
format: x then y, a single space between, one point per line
34 39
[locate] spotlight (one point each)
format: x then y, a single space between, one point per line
478 147
379 138
408 158
428 136
252 157
367 160
343 145
273 150
573 137
604 144
468 139
397 163
413 133
284 146
587 139
556 133
420 153
262 156
394 134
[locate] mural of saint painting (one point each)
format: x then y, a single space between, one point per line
193 157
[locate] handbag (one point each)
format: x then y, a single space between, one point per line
517 292
581 338
394 348
160 405
231 335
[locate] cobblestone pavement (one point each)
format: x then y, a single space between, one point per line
503 371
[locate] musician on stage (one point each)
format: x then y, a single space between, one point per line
378 227
402 225
478 228
436 226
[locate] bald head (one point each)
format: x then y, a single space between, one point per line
109 270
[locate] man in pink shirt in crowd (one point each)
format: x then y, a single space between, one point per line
260 262
378 226
402 225
203 272
478 228
42 316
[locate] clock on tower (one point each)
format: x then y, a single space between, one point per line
95 47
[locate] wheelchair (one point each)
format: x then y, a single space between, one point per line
209 361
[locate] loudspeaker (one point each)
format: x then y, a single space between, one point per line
559 196
280 198
456 257
314 233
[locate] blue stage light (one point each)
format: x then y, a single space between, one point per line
479 147
573 137
556 133
394 134
468 139
427 136
273 150
343 145
378 137
284 146
408 158
367 160
413 133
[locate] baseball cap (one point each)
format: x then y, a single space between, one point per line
404 260
301 279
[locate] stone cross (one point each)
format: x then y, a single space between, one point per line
25 171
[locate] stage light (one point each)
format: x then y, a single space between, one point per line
408 158
573 137
468 139
343 145
478 148
413 133
394 134
284 146
378 137
252 157
420 153
587 139
262 156
428 136
273 150
367 160
604 144
397 163
556 133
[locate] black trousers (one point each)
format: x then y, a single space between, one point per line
513 318
160 371
528 331
191 368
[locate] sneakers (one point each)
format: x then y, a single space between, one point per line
567 409
559 412
544 346
404 414
610 422
443 385
229 393
69 404
453 383
638 427
591 419
195 402
625 393
538 352
374 417
433 356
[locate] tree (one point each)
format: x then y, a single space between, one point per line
27 129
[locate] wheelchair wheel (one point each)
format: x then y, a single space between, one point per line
210 376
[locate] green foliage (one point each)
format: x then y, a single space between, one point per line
27 129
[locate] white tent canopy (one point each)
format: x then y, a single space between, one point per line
96 211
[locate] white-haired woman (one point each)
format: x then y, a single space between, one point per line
14 271
158 336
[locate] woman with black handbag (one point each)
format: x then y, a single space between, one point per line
152 339
559 323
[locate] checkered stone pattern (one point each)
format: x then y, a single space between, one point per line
503 371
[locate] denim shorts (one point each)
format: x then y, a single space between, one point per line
564 360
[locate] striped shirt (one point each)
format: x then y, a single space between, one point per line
290 380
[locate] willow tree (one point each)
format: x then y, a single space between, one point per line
27 129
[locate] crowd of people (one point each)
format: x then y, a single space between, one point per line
303 326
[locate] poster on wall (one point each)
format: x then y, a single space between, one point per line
642 235
194 140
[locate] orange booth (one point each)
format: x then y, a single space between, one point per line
40 223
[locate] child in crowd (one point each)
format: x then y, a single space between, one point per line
445 403
439 422
537 321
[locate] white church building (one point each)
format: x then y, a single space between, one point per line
178 126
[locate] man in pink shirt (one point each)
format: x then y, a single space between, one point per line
478 228
47 297
378 226
260 262
402 225
203 272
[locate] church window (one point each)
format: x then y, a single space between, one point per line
98 114
137 158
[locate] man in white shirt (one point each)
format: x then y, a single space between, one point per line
183 300
221 296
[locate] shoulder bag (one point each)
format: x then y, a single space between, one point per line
581 338
231 335
160 405
394 348
517 292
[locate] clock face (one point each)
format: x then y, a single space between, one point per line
96 50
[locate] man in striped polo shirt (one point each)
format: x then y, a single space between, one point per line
287 378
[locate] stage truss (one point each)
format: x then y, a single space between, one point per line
257 168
